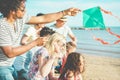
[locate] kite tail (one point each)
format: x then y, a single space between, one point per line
116 42
100 40
109 31
110 13
116 17
105 11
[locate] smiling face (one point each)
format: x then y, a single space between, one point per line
20 11
60 23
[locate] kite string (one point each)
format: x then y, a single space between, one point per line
110 13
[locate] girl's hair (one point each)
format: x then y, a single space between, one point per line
9 5
72 64
56 37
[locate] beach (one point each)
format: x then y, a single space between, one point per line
101 68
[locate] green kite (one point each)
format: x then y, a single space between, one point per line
92 18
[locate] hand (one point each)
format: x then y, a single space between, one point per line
71 11
56 47
57 51
41 41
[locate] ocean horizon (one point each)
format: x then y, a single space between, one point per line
87 45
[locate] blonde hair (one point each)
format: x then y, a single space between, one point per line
53 38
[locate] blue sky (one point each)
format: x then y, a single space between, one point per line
49 6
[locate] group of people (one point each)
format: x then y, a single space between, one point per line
35 56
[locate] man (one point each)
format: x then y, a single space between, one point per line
61 27
11 27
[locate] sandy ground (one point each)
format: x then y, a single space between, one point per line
101 68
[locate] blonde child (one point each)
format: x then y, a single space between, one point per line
43 60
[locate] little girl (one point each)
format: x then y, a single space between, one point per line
73 68
42 62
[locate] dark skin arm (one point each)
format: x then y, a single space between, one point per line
11 51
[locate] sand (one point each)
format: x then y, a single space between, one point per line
101 68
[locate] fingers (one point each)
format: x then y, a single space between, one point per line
72 11
41 41
56 48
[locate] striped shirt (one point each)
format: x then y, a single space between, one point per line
10 37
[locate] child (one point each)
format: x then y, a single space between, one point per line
73 67
22 62
42 63
70 47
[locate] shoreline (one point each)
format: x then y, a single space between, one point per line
99 53
101 68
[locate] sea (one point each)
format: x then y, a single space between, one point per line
87 45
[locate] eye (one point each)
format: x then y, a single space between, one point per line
22 9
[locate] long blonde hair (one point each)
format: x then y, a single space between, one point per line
53 38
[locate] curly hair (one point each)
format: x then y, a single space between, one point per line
9 5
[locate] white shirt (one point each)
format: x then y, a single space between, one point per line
32 34
64 30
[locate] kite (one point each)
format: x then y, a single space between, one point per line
92 18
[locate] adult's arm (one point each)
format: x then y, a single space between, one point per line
53 16
11 51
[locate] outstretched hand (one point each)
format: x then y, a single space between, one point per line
71 11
